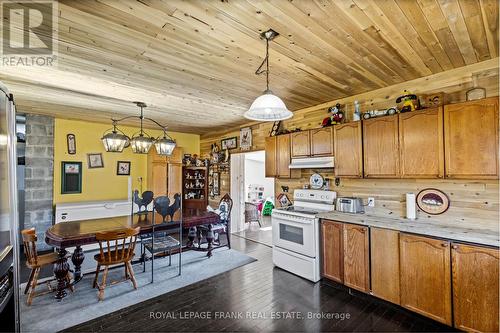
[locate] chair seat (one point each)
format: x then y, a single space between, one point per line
162 244
107 260
44 259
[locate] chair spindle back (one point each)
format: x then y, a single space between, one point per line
29 242
113 244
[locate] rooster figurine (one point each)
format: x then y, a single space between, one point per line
147 197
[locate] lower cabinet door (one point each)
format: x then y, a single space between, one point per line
475 287
426 276
356 257
332 250
384 255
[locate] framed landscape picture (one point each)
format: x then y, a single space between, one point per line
123 168
230 143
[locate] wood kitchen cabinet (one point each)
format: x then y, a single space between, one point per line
332 250
271 157
384 256
381 147
321 141
425 276
471 139
160 179
475 287
348 150
278 157
421 144
356 257
301 144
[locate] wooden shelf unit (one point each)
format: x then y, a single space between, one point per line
194 183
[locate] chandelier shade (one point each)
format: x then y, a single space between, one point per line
165 146
268 107
114 142
141 144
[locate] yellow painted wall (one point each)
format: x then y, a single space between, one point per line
103 183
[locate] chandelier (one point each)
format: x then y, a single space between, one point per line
115 140
267 107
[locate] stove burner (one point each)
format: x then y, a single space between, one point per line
299 210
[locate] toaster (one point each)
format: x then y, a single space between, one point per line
350 205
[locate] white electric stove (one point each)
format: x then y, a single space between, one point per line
296 232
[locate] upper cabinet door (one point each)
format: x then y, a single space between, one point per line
283 151
421 144
471 139
322 142
270 148
176 156
348 150
475 287
381 147
301 144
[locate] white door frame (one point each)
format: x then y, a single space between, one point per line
237 192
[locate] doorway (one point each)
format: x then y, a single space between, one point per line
250 189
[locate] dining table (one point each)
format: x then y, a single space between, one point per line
75 234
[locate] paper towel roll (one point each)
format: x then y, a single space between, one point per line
411 209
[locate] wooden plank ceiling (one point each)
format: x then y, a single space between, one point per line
193 61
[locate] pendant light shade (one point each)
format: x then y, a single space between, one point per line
268 107
141 144
114 142
165 146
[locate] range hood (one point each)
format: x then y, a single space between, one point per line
312 162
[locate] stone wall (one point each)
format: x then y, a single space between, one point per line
39 175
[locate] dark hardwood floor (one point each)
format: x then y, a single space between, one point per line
260 289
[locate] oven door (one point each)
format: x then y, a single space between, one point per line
294 234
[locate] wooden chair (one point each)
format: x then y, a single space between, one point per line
35 262
252 213
116 247
224 226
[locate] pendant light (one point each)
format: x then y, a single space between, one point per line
114 142
141 142
267 107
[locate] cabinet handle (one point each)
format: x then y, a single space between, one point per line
454 247
444 244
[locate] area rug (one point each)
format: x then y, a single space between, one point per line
48 315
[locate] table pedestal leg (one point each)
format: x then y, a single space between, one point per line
61 269
210 238
191 237
199 236
77 259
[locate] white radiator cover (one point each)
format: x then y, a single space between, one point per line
77 211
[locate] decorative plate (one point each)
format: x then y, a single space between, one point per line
316 181
433 201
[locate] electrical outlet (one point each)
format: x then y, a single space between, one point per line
371 202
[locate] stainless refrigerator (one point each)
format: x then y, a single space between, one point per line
9 219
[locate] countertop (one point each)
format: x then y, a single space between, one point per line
483 236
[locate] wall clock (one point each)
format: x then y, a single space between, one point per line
433 201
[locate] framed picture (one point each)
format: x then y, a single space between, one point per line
283 200
229 143
71 177
216 182
94 160
123 168
71 143
246 138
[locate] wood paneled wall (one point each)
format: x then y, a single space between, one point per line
474 202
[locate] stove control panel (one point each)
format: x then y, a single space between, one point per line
317 196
